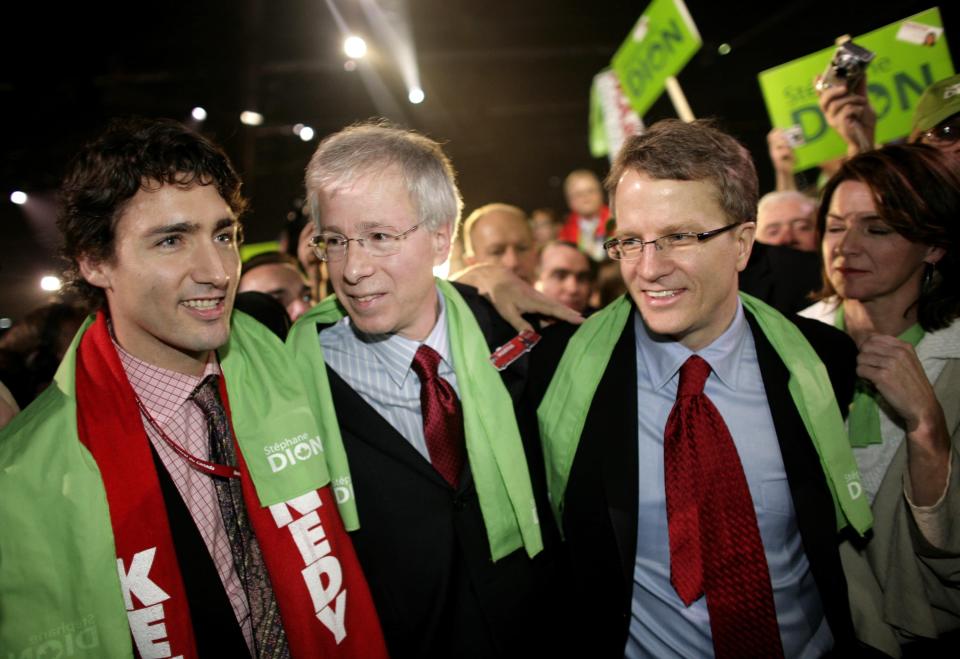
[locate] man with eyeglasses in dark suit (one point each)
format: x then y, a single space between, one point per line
432 478
686 428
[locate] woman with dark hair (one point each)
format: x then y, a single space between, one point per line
889 225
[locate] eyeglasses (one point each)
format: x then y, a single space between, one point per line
628 249
333 246
946 131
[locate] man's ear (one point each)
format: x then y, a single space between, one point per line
745 234
95 272
440 241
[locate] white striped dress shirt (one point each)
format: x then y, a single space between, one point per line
378 368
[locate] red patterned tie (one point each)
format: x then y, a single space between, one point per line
442 416
715 545
268 633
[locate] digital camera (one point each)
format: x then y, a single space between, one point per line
848 66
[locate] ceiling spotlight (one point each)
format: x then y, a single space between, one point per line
18 197
251 118
50 283
724 49
354 47
306 133
416 95
198 113
6 323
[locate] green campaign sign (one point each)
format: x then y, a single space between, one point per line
910 55
659 46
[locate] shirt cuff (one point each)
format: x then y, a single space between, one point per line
933 522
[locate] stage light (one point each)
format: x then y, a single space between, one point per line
724 49
354 47
198 113
50 283
416 96
306 133
18 197
251 118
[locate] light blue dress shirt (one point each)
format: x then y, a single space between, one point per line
378 367
660 625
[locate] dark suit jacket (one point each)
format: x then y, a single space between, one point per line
600 514
782 277
424 547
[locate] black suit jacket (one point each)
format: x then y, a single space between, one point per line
782 277
424 547
600 513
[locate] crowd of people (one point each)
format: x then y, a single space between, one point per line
668 460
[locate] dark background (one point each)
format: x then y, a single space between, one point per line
507 88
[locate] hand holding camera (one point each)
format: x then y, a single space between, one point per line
842 91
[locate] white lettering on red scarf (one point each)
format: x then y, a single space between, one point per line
146 623
329 602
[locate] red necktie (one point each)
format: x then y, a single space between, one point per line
715 545
442 416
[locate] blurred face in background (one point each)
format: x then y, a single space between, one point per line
504 238
283 282
565 276
584 195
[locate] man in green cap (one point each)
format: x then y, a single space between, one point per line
937 119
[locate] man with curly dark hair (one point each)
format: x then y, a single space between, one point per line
144 506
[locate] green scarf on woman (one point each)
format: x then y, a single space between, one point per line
863 422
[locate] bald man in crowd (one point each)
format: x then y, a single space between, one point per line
500 233
786 217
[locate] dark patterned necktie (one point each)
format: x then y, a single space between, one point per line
268 634
442 416
715 545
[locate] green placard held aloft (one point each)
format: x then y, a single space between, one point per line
911 54
659 46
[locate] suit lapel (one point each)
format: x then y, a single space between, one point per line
613 422
795 444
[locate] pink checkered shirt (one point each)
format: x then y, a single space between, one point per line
166 395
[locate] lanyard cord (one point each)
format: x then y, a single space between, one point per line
203 466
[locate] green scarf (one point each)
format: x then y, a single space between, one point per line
271 415
63 591
494 448
562 413
863 422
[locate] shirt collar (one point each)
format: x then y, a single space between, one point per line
395 353
663 357
161 390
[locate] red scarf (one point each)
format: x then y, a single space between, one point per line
570 231
308 554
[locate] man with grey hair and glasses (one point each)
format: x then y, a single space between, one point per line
695 451
445 504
